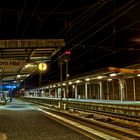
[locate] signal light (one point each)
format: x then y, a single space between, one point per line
68 52
66 56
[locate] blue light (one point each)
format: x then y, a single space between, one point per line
9 86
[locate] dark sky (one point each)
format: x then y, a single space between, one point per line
99 33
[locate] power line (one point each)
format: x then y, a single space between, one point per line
77 20
101 57
112 14
47 17
105 24
19 16
109 23
89 15
30 18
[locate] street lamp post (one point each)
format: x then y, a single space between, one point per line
64 58
67 90
41 67
40 78
61 81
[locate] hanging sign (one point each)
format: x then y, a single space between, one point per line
11 63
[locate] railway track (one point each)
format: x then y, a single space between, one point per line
103 123
117 119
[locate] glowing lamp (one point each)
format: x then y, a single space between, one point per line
68 52
42 66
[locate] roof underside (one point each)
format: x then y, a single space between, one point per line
31 51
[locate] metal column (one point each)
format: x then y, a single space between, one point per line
67 90
101 91
134 88
86 90
76 94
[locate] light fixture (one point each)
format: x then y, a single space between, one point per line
78 81
29 65
70 83
138 75
18 76
99 77
42 66
109 79
63 84
27 75
87 79
113 74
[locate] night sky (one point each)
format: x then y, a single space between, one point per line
99 33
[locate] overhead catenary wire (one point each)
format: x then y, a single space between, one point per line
132 6
109 23
112 14
47 17
83 17
30 18
20 15
110 34
103 56
102 40
50 75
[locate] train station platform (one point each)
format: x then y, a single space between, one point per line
128 108
20 120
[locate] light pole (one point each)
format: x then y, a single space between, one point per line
41 67
67 90
66 60
61 80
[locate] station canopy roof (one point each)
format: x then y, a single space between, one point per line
20 58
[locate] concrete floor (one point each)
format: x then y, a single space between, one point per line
21 121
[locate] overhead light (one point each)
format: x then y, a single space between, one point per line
99 77
63 84
18 76
70 83
113 74
87 79
138 75
29 65
78 81
27 75
109 79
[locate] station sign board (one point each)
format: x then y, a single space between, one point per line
6 63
